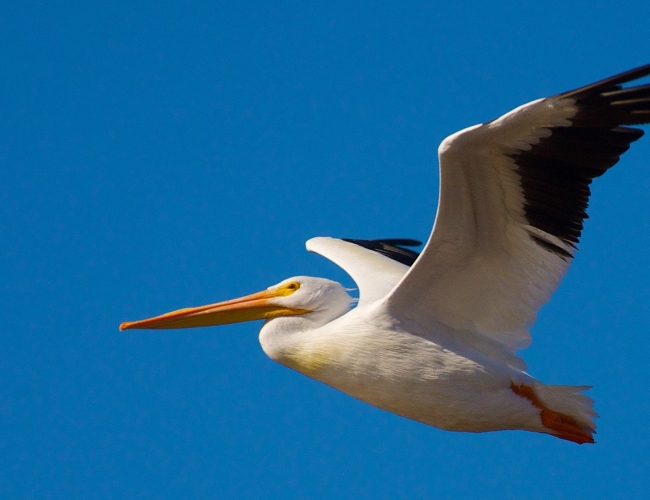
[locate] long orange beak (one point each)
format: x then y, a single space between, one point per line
251 307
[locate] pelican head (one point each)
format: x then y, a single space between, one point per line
315 300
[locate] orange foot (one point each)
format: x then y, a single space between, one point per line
563 426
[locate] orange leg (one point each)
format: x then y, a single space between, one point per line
563 426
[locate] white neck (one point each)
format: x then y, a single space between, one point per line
279 336
325 299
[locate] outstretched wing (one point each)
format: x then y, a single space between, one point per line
513 194
376 266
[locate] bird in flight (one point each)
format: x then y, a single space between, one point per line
434 336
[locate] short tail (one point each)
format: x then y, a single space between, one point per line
565 411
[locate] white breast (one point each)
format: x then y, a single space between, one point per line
430 378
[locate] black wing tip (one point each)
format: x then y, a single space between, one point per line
391 248
610 83
556 172
402 242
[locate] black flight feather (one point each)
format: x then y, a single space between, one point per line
391 248
556 172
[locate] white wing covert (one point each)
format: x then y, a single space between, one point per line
375 274
513 194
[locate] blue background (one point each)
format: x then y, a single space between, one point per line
167 154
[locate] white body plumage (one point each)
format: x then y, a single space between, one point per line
422 373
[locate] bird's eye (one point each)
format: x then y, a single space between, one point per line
287 289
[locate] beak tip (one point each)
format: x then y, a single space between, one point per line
124 326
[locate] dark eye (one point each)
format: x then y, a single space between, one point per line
293 286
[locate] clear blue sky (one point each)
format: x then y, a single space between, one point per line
167 154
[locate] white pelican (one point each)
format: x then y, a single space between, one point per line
433 337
